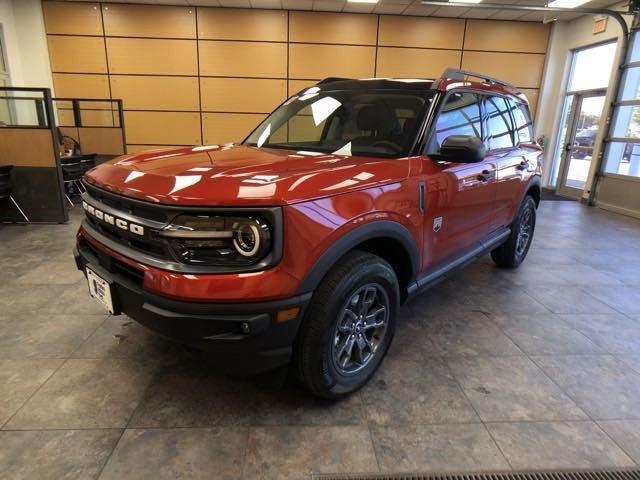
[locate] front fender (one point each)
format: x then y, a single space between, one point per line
352 238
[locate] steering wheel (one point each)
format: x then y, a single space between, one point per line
387 143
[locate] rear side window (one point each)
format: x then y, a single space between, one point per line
460 115
499 129
522 122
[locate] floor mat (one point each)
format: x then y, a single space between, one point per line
547 194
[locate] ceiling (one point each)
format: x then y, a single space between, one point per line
388 7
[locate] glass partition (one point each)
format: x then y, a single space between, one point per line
88 112
23 108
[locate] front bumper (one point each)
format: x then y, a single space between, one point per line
247 336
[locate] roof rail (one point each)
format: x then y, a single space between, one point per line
463 74
332 79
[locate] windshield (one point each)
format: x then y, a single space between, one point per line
347 122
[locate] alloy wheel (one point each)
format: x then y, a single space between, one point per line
525 230
361 328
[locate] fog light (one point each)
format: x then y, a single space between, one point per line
244 326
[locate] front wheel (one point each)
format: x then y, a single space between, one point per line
513 252
348 327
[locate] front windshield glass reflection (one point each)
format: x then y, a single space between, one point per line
345 122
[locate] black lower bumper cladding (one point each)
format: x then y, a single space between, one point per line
246 335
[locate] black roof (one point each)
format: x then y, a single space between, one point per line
414 84
334 83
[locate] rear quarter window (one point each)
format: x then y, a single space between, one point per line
522 122
498 121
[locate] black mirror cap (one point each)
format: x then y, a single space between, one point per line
462 149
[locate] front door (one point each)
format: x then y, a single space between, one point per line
460 197
582 126
460 202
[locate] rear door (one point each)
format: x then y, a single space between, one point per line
460 196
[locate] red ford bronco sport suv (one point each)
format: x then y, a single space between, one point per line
300 243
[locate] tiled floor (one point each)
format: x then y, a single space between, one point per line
491 370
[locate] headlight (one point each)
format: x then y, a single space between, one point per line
219 240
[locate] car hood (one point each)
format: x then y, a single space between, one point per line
235 175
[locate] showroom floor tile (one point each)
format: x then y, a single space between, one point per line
439 448
625 433
545 335
86 393
292 452
195 453
617 334
512 388
490 370
55 453
557 445
602 385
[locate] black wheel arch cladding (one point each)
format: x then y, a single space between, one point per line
382 229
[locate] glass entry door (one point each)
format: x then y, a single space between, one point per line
581 124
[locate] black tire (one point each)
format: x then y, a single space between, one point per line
322 333
513 252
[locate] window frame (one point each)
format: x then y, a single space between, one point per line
432 124
428 137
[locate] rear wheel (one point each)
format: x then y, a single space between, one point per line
512 253
348 327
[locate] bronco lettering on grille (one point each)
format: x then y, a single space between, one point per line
112 220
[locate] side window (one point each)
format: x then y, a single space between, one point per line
460 115
499 129
522 122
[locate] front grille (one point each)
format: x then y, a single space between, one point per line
142 245
123 204
137 276
149 243
111 264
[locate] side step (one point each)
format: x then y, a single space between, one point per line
439 273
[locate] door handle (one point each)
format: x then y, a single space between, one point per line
568 147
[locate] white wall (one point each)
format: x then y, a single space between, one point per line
26 43
565 37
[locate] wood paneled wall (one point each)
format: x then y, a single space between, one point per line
192 75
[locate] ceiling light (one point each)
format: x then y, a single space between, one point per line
566 3
362 1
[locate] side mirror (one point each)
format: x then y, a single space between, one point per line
462 149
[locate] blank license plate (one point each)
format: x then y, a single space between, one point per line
100 289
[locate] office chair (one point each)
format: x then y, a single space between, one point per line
68 143
6 187
74 165
72 172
